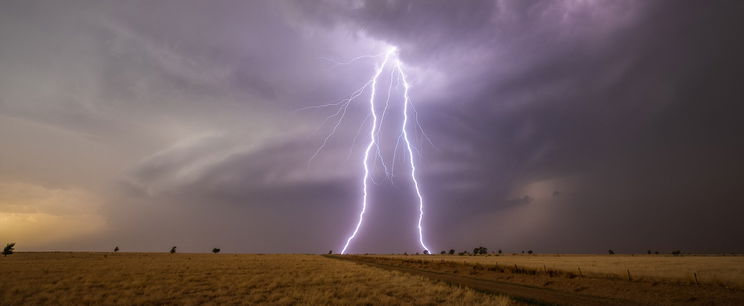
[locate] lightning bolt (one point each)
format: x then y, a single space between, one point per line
406 102
372 143
342 105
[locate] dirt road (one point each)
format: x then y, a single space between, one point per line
555 287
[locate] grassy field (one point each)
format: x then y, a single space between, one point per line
722 270
133 278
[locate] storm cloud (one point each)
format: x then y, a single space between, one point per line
557 126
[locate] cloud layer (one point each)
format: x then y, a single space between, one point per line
560 126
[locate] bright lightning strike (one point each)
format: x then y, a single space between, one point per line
372 143
374 133
406 102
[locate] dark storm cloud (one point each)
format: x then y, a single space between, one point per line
629 104
183 116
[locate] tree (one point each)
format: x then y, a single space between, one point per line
426 252
9 248
173 250
443 252
116 249
330 252
611 252
649 252
529 252
499 251
216 250
452 252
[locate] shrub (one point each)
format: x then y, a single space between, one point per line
116 249
452 252
330 252
499 251
216 250
530 252
443 252
611 252
173 250
480 250
426 252
9 248
676 252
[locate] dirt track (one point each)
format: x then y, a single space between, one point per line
554 288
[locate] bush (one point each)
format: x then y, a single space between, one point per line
611 252
116 249
9 248
677 252
216 250
530 252
173 250
452 252
443 252
330 252
426 252
480 250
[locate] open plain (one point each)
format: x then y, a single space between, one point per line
160 278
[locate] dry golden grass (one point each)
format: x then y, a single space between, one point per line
130 278
725 270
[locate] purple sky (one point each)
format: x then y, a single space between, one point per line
557 126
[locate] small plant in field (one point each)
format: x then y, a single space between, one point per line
452 252
611 252
9 248
116 249
216 250
173 250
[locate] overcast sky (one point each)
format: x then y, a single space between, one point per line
557 126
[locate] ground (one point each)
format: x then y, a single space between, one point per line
161 278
